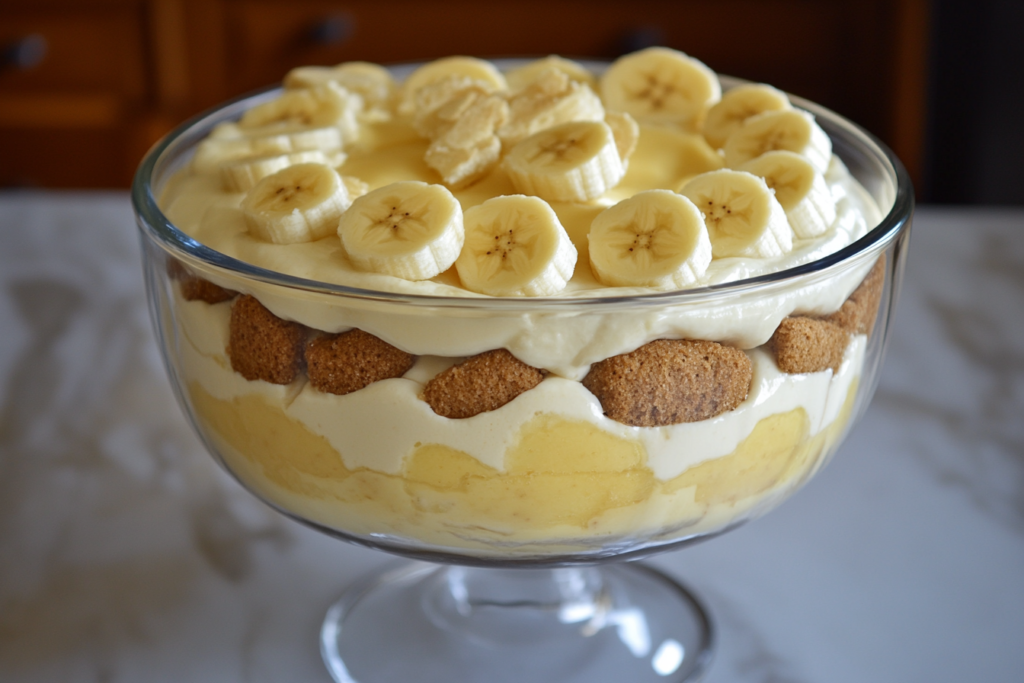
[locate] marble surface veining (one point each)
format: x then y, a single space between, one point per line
126 555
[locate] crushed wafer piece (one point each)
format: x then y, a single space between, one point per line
460 116
858 313
808 345
441 105
195 288
343 363
198 289
670 381
550 99
480 384
263 346
469 148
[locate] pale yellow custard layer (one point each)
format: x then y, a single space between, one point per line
566 484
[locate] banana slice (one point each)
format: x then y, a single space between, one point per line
575 161
789 129
227 129
626 132
659 85
439 69
654 239
356 186
324 105
742 215
300 203
800 189
736 106
407 229
213 152
515 246
242 175
550 99
372 82
522 76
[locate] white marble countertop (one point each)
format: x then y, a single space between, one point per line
125 555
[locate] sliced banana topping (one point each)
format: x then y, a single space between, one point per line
522 76
742 215
324 105
575 161
550 99
233 145
226 129
356 186
660 85
300 203
800 189
440 69
557 141
788 129
736 106
515 246
408 229
372 82
654 239
626 132
242 175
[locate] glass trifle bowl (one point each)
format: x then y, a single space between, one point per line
525 508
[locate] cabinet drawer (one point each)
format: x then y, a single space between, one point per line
82 50
64 115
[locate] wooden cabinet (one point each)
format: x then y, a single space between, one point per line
119 73
70 84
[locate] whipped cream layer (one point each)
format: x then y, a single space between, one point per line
563 342
487 437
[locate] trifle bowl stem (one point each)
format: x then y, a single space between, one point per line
424 622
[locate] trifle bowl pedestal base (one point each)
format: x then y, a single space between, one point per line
423 622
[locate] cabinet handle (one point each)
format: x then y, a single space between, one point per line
25 53
334 29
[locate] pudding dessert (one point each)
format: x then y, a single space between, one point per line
505 318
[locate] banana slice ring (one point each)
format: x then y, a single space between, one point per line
736 106
407 229
300 203
571 162
515 246
742 215
660 85
800 189
654 239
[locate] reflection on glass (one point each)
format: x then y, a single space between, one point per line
668 657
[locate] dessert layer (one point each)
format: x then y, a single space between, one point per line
568 485
342 420
565 343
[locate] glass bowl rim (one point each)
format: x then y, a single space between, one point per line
152 221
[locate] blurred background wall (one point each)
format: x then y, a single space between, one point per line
975 123
86 86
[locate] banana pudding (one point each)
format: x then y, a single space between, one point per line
502 313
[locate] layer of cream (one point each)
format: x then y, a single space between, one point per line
487 437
